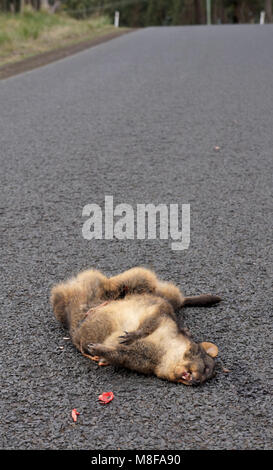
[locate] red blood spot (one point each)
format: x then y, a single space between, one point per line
74 414
106 397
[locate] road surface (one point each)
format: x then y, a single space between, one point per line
178 115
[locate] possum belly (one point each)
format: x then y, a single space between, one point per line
126 315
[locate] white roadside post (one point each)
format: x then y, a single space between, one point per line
262 17
116 19
208 4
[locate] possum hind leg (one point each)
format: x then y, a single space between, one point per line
170 292
136 280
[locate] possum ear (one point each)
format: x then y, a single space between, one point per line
210 348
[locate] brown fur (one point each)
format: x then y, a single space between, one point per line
129 320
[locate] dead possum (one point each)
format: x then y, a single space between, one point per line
129 320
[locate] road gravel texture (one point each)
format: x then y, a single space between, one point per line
178 115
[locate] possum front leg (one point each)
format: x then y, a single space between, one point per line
96 349
139 357
147 327
150 324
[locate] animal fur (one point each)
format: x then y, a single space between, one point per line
129 320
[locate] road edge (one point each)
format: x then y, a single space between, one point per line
30 63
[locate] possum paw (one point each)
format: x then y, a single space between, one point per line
129 338
94 349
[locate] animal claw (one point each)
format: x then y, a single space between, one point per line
125 335
92 348
128 337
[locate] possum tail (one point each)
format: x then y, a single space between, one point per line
203 300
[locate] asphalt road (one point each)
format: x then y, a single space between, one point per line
139 118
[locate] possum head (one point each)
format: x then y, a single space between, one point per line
197 364
187 362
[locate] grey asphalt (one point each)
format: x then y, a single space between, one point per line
139 118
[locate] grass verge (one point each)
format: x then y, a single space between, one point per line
33 33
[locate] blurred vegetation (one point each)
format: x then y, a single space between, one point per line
188 12
28 26
34 32
140 13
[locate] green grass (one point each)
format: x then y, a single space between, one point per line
33 24
29 25
32 32
4 38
